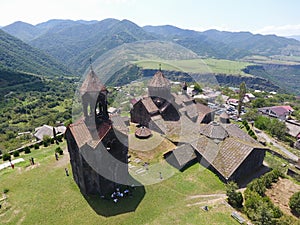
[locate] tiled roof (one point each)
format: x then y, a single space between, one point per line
235 132
184 154
80 132
225 157
159 122
159 80
231 155
149 105
120 123
83 135
213 130
192 111
143 132
91 84
45 130
203 108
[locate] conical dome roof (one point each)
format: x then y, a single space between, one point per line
143 132
91 84
159 80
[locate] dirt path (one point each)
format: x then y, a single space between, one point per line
63 160
281 192
207 196
276 144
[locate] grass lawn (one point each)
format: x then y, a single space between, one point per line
43 194
199 66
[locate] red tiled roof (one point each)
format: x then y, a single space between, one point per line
287 107
83 135
80 133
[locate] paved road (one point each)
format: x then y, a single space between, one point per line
275 143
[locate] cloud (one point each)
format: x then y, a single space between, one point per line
285 30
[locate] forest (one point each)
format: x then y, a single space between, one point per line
28 102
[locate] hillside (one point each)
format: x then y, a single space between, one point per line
286 76
19 56
74 42
227 45
112 61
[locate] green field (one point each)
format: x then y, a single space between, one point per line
198 66
43 194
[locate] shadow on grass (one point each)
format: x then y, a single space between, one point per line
105 206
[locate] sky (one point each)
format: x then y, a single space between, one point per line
280 17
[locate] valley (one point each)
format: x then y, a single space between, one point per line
43 68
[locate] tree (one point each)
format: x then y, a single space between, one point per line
198 88
241 97
6 156
235 199
277 128
250 115
257 185
294 203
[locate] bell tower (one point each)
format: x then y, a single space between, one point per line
94 100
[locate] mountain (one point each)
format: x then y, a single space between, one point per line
296 37
19 56
227 45
74 42
24 31
67 39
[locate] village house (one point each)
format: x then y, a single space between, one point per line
49 131
280 112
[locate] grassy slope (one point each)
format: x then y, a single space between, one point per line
199 66
44 195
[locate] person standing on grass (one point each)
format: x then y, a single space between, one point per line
56 156
67 172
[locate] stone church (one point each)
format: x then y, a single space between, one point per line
98 150
163 111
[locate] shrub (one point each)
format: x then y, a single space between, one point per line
45 143
59 138
235 199
36 146
46 140
59 151
6 156
258 186
27 150
294 203
16 153
5 190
